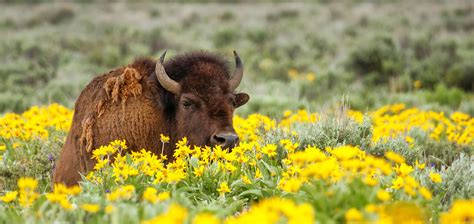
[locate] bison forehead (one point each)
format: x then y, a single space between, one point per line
206 80
221 111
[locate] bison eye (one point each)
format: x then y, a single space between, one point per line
187 104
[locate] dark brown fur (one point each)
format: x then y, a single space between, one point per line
129 103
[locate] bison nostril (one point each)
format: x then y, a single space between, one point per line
218 140
225 140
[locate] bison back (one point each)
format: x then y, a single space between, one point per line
122 104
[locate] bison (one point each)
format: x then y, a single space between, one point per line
192 95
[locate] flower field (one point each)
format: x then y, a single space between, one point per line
394 164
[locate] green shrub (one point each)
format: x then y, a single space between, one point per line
283 14
259 36
225 37
445 96
432 60
461 75
376 59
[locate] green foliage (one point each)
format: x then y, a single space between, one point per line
376 59
33 159
226 37
462 75
63 46
445 96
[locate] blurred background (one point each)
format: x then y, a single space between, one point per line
313 56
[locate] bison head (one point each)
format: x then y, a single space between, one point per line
202 98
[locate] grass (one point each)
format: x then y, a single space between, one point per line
352 49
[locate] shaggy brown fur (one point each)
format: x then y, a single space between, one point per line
129 103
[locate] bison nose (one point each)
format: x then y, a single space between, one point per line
228 140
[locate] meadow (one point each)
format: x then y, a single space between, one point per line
359 112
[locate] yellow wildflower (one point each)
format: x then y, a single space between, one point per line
291 185
205 218
223 188
27 183
230 167
198 171
426 193
91 208
436 177
310 76
371 208
175 214
150 195
109 209
9 196
417 84
398 183
395 157
27 191
258 174
163 196
403 170
410 141
420 166
383 195
353 215
270 150
124 192
293 73
460 212
245 179
370 181
164 139
101 163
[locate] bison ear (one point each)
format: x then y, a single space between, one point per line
241 99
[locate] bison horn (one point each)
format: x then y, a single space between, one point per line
165 81
238 73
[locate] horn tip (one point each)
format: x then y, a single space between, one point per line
162 57
237 58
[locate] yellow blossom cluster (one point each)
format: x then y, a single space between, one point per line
388 121
175 214
26 194
206 218
251 128
35 122
461 212
91 208
407 212
276 210
344 163
299 167
271 210
61 194
397 212
396 120
294 74
9 196
301 116
151 195
283 166
122 193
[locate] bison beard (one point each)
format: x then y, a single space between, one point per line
190 95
